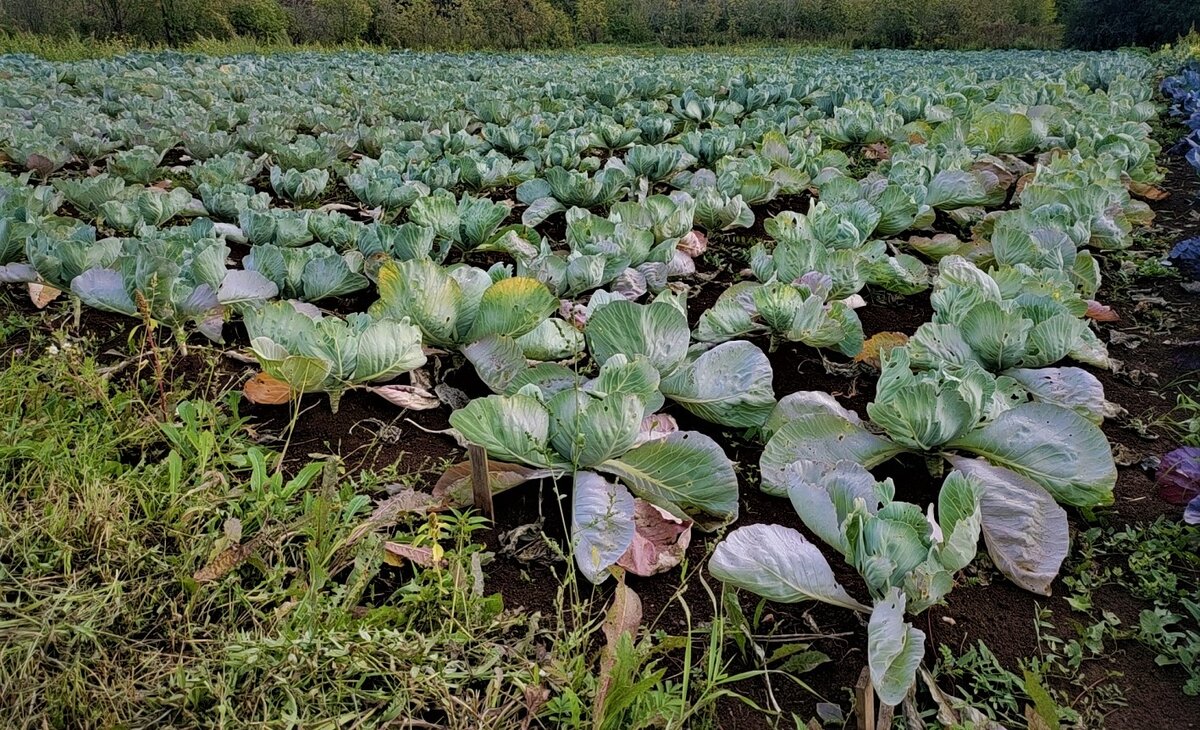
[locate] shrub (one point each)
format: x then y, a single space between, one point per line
263 19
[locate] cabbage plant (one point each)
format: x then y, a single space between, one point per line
175 282
143 206
730 384
796 312
466 223
1031 453
311 273
1006 318
589 435
312 353
303 187
559 189
908 561
497 321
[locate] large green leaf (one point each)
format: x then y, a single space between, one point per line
498 361
588 430
823 437
658 330
1025 530
686 474
729 384
512 428
1068 387
894 649
777 563
422 291
387 348
1055 447
602 526
512 307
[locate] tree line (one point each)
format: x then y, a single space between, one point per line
529 24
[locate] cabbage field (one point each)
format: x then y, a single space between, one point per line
865 329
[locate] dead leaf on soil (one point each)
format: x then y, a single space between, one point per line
1117 337
412 397
877 344
397 554
228 559
42 294
451 396
1098 312
40 164
623 618
1125 456
877 151
264 389
390 510
453 489
659 542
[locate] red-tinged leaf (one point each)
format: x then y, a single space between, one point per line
655 427
412 397
1100 312
398 553
1178 475
453 489
266 390
693 243
659 542
40 164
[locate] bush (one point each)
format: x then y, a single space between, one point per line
263 19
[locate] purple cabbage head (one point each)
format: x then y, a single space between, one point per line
1178 480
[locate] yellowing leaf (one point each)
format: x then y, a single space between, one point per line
878 344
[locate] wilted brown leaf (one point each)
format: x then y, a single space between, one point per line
228 559
453 489
623 618
397 554
878 344
42 294
412 397
1145 190
1022 182
1100 312
877 151
40 164
264 389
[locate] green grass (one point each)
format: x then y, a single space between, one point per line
73 47
160 572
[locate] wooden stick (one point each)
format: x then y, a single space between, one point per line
864 701
481 487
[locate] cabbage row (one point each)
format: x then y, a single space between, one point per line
540 218
1183 89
